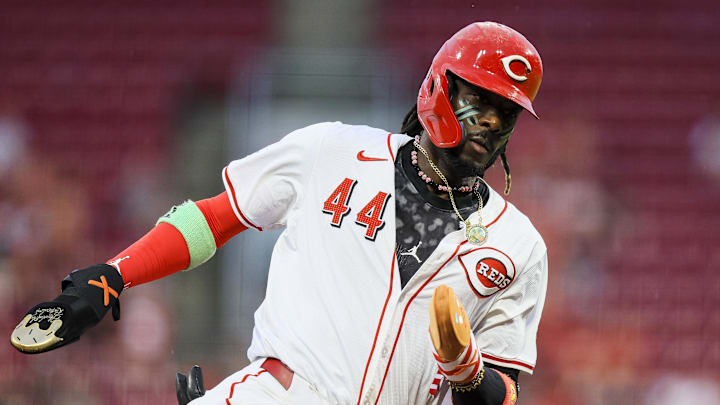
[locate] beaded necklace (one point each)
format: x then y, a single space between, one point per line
430 182
476 233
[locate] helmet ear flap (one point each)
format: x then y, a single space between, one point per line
436 113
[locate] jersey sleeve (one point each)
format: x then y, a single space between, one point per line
264 186
507 334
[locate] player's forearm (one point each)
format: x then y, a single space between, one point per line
161 252
185 237
172 245
496 388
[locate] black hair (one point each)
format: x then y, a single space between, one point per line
411 124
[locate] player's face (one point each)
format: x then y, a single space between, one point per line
489 119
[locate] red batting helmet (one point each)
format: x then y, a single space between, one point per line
488 55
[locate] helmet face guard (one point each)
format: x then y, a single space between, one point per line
487 55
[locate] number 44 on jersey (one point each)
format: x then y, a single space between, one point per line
370 216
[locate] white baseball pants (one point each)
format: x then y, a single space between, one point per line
255 386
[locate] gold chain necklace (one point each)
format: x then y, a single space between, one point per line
477 234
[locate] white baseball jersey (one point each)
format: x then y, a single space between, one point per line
335 311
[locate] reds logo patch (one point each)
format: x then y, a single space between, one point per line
488 270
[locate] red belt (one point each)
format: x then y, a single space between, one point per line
279 370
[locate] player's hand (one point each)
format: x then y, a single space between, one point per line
449 325
190 387
455 349
87 295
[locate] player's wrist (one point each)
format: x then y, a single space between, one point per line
453 342
100 285
468 385
465 368
87 295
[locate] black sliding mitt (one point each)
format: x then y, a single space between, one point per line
87 295
189 387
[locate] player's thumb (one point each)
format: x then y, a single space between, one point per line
196 388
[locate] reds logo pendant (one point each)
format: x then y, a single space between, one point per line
488 270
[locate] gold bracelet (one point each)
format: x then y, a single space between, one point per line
471 385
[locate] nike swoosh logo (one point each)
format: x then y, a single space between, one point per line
361 157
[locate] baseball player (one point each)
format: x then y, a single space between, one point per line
401 277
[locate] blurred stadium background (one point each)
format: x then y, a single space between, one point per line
111 112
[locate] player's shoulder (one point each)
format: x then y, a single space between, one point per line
523 220
317 131
522 228
339 129
335 137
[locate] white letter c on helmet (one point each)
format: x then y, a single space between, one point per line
506 61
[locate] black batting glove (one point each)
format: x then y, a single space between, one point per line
87 295
190 387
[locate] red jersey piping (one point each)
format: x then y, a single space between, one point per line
499 215
499 360
390 147
402 321
232 191
377 332
232 387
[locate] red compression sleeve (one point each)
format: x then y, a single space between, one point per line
163 250
221 218
159 253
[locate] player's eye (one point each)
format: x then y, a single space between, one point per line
512 111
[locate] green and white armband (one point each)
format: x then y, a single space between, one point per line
190 221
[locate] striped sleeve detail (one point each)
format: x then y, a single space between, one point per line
528 368
233 202
435 385
392 155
